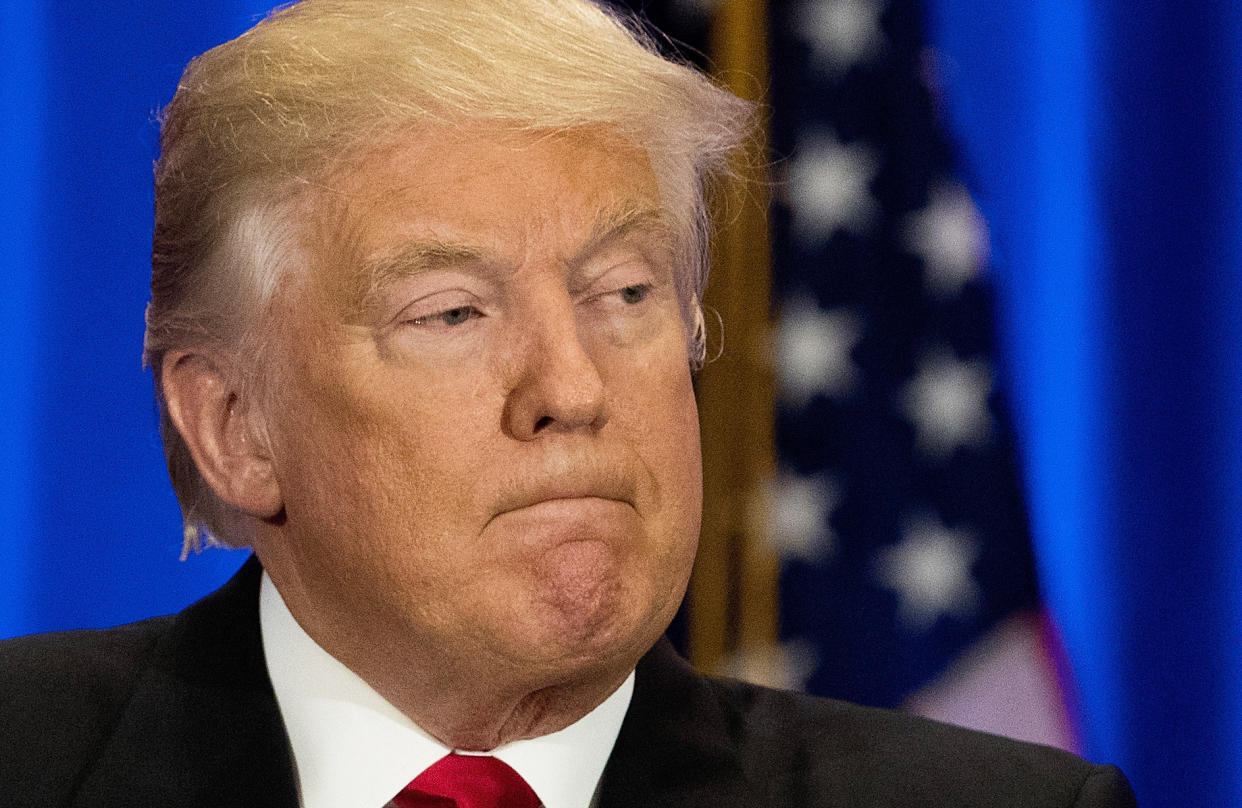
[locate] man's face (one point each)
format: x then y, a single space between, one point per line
483 428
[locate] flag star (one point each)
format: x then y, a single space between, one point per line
792 511
929 570
813 351
786 666
951 238
829 188
841 33
947 401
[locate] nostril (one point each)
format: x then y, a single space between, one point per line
542 422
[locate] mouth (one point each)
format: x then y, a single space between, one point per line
567 496
567 505
539 526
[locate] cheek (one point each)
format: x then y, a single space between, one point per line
673 456
663 416
365 461
686 485
373 522
680 434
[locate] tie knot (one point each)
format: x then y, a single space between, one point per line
467 781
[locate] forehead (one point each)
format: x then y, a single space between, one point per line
457 194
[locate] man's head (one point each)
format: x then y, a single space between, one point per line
258 122
425 285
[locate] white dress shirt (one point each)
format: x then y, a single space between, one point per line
351 748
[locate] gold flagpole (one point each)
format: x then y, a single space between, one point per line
733 600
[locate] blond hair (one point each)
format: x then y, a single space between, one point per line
258 120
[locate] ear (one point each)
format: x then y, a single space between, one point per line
221 430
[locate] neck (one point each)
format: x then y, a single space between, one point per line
480 722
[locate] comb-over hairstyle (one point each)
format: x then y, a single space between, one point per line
259 123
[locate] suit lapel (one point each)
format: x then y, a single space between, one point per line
202 727
679 744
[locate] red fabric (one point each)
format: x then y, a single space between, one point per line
467 781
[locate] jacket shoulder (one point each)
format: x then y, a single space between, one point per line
695 741
871 757
60 695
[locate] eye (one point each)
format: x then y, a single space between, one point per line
449 317
635 294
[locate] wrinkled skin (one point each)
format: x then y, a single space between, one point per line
483 430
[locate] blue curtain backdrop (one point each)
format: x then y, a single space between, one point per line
1104 139
88 525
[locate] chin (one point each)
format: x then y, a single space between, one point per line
588 607
607 630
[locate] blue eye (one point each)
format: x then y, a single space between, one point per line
635 294
449 317
456 316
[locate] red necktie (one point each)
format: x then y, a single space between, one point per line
467 781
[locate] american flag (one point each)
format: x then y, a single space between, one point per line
907 576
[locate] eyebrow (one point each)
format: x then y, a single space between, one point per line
620 221
414 258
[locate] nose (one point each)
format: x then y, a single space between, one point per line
558 386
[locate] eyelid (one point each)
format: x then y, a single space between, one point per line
428 295
436 304
615 271
472 313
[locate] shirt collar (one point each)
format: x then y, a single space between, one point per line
351 747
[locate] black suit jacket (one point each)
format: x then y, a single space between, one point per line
179 711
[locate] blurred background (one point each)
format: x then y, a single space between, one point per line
973 445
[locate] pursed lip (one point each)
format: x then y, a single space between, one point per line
594 485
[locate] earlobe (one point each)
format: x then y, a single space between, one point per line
216 422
